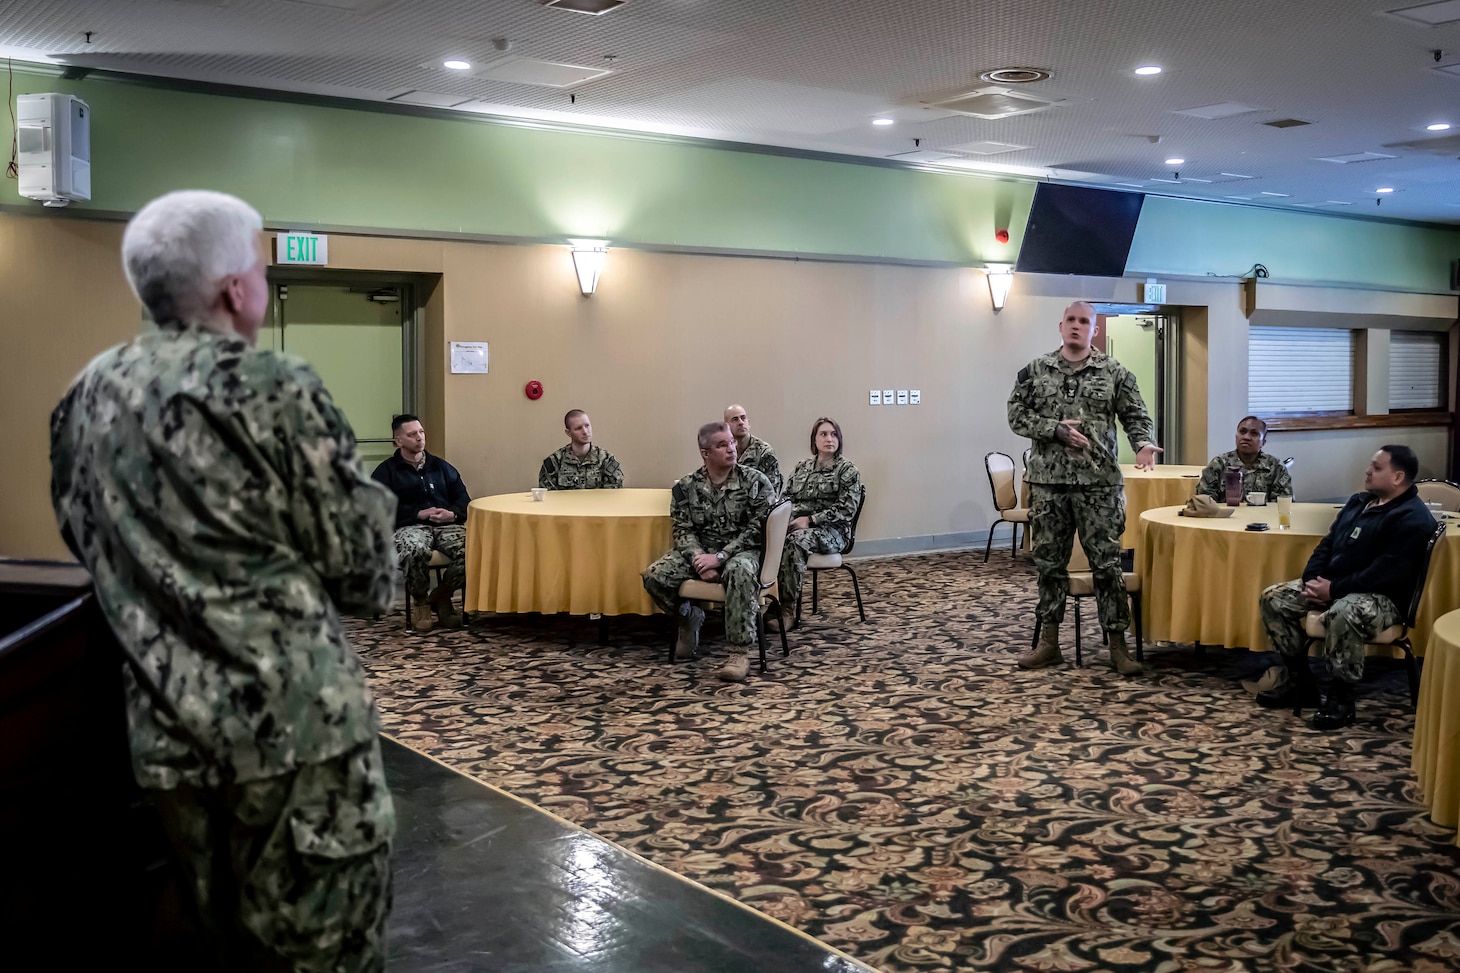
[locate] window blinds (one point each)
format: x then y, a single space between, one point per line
1299 370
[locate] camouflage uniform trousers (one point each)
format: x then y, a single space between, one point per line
800 545
289 872
741 577
1351 622
413 547
1097 513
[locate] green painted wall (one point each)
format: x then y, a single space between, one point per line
337 166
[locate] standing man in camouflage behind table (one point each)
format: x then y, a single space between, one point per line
214 493
749 451
718 514
1261 472
580 465
1067 402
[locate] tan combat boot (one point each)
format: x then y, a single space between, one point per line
1120 658
1047 653
736 666
421 619
690 620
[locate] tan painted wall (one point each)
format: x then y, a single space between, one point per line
666 343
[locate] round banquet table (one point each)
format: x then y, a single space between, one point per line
1437 723
577 551
1201 578
1159 487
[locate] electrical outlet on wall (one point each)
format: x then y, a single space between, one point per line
875 398
889 397
902 396
914 396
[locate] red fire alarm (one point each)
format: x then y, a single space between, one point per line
1002 236
533 390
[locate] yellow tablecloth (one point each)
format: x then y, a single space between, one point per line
1200 579
1160 487
1437 724
578 551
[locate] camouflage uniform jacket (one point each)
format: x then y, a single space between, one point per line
1098 391
1266 473
759 455
730 519
214 492
827 494
598 470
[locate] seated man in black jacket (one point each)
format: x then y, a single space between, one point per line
1361 576
429 516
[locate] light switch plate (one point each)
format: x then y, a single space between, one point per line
889 397
914 396
876 397
902 396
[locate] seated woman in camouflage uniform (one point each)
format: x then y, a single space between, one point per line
824 492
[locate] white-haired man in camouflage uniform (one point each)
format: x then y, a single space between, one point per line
1067 403
214 492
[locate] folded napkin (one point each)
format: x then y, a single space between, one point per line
1202 505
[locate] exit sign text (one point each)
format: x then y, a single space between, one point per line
301 248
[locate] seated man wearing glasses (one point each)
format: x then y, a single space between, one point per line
1361 576
1261 472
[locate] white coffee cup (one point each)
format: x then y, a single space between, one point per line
1257 499
538 493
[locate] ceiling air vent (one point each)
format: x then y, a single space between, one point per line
1286 123
1015 75
995 102
1353 157
594 7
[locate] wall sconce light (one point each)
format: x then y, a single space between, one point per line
1001 278
588 257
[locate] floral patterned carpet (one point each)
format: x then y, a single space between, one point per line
899 790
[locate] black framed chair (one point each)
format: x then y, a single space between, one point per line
817 563
434 569
1082 586
1443 492
1395 635
776 523
1000 467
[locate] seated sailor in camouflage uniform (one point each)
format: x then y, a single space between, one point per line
1261 472
718 514
1067 402
430 515
580 465
1361 576
752 452
214 493
824 491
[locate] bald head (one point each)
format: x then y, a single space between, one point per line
738 422
1077 329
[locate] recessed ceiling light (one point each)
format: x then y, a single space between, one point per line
1385 189
1148 69
1438 127
456 64
881 121
1175 162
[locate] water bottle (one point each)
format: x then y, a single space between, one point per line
1233 486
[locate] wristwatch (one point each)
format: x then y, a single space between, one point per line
721 556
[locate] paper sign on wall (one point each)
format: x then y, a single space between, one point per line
469 358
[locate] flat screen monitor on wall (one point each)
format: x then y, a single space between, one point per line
1078 230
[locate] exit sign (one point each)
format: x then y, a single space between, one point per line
301 248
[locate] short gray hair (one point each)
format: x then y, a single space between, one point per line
180 246
708 430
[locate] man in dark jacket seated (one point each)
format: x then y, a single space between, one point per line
1361 576
430 515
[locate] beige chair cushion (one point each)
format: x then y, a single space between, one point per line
438 560
1082 583
1018 515
822 562
1313 625
702 591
